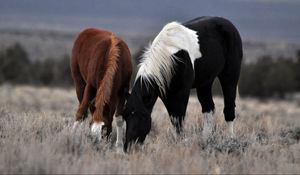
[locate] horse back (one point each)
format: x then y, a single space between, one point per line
91 60
220 46
89 55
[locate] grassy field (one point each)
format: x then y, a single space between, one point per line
35 137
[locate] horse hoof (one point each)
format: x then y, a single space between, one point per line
120 150
96 130
208 125
230 129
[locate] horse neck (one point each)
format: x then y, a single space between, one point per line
145 94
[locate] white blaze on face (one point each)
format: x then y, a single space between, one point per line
96 129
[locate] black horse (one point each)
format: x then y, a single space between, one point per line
182 57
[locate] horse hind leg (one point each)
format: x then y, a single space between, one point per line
92 103
80 85
120 134
120 121
229 88
81 113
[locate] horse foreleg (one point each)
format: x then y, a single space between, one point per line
176 105
230 129
177 122
119 123
208 124
205 98
119 142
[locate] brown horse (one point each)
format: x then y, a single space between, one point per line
101 69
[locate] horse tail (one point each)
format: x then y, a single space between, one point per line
111 57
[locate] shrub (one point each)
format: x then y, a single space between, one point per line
268 78
16 68
14 65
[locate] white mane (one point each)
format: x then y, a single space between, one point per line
158 60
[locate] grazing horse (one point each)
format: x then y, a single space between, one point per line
182 57
101 69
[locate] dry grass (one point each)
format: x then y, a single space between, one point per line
35 138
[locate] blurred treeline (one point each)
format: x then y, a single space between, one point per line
268 77
17 68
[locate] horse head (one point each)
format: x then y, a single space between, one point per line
138 125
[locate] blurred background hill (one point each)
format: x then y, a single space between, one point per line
45 30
